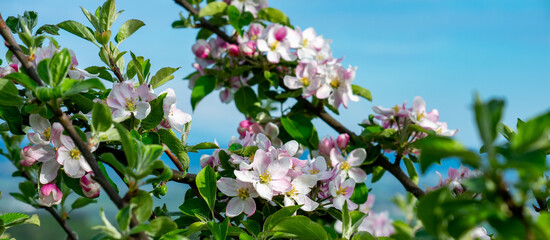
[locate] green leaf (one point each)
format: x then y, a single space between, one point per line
274 15
487 118
11 219
83 85
59 66
82 202
532 134
150 138
219 230
93 19
363 236
253 227
77 29
213 8
434 148
107 14
244 99
143 206
300 128
279 216
83 103
358 90
127 145
302 228
23 79
195 207
28 189
123 218
138 66
203 86
162 76
156 115
9 95
102 71
127 29
360 193
291 94
202 146
162 225
14 119
73 184
206 183
174 144
413 175
377 173
101 117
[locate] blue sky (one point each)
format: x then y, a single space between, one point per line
444 51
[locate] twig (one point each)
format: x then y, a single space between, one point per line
174 159
396 171
205 23
14 47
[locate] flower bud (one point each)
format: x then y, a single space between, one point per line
325 145
201 49
247 48
49 195
90 187
26 159
233 50
280 34
342 141
243 127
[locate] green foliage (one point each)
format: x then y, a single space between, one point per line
142 204
245 98
273 15
156 115
360 91
127 29
9 95
213 8
300 128
174 144
77 29
206 184
162 76
101 117
434 148
203 86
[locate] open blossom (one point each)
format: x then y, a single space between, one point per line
71 158
301 186
173 118
306 78
350 166
90 187
243 194
42 129
268 177
276 44
318 168
125 101
41 153
252 6
341 190
310 43
454 181
419 115
49 195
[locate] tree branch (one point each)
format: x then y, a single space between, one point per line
205 23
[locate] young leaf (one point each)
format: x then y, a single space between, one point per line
84 85
23 79
9 95
278 216
143 205
59 66
127 29
434 148
245 98
213 8
14 119
107 14
81 202
360 193
127 145
358 90
302 227
77 29
174 144
123 218
204 85
274 15
299 127
156 115
162 76
206 183
101 117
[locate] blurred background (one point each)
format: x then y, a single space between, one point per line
444 51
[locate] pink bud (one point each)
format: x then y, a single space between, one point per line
49 195
243 127
280 34
247 48
26 159
342 141
325 145
201 49
233 50
90 187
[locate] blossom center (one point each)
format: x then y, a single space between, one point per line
75 153
293 192
305 81
341 191
243 193
305 42
47 133
334 83
251 157
265 177
274 45
345 166
131 104
313 171
395 108
420 116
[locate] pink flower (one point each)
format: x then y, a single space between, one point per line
243 194
301 186
90 187
326 145
247 48
276 45
71 158
378 224
41 153
341 190
306 79
342 141
337 86
318 168
49 195
251 6
125 101
350 166
267 176
174 118
42 130
201 49
479 233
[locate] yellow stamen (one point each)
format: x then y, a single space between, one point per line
313 171
345 166
243 193
305 81
304 42
396 108
341 191
265 177
293 192
75 154
251 157
47 133
420 116
274 45
334 83
130 104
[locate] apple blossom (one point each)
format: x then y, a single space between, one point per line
306 79
276 45
173 118
342 141
251 6
318 168
71 158
341 190
301 186
125 101
350 166
243 194
42 129
90 187
337 86
49 195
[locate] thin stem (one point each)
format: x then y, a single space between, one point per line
174 159
396 171
205 23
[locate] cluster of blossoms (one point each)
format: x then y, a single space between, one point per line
251 6
398 117
318 73
454 181
377 224
275 173
56 151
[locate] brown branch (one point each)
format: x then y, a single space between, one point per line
14 47
174 159
115 69
62 222
205 23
